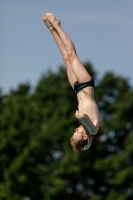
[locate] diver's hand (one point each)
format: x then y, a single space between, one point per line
79 115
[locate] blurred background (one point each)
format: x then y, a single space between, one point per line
37 104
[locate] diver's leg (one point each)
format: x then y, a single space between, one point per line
79 70
71 76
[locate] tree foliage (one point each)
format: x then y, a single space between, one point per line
36 159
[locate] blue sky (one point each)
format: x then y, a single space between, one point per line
101 30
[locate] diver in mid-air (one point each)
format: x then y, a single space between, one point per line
81 82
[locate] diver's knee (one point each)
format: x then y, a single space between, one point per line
65 58
71 55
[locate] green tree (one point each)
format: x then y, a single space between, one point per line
36 158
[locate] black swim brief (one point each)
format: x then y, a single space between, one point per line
79 86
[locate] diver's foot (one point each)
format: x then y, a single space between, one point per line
52 19
46 21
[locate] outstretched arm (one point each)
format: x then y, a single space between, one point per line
86 121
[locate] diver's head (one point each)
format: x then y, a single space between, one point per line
81 139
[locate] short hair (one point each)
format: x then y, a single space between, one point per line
78 145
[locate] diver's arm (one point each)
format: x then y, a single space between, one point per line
86 121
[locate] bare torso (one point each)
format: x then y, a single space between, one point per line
87 104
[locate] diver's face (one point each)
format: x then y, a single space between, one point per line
80 133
